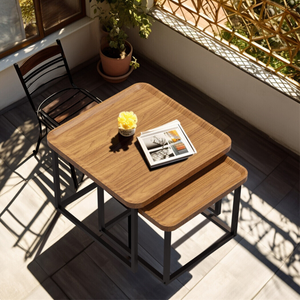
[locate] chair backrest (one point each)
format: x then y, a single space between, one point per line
41 69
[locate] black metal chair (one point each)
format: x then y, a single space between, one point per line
37 75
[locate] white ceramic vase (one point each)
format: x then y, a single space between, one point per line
127 132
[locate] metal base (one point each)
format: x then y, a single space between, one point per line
230 232
128 254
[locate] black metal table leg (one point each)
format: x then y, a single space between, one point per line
132 214
167 257
235 210
129 231
101 220
218 207
134 239
74 177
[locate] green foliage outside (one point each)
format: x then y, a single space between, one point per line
27 10
249 30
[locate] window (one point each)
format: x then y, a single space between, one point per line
23 22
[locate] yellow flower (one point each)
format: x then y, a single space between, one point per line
127 120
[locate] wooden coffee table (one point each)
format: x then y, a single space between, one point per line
91 143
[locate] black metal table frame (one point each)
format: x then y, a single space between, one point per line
211 215
128 254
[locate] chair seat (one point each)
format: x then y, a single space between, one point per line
66 105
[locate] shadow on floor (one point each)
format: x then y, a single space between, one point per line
83 269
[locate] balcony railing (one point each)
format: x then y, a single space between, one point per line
262 30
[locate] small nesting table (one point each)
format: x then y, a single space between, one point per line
90 142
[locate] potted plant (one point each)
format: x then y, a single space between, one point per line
115 17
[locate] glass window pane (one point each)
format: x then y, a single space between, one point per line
23 22
28 16
57 11
17 22
11 25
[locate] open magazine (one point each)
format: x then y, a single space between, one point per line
166 144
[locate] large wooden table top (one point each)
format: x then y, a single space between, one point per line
91 143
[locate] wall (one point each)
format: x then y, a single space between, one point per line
80 41
260 105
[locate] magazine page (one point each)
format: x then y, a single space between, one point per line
166 144
168 125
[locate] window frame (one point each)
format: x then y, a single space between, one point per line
41 32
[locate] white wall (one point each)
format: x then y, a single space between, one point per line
80 41
260 105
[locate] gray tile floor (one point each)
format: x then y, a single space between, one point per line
262 262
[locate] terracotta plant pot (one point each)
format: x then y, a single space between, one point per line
113 79
103 35
115 66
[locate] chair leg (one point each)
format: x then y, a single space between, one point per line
35 152
73 174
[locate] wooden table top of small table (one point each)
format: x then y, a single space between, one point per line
92 144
